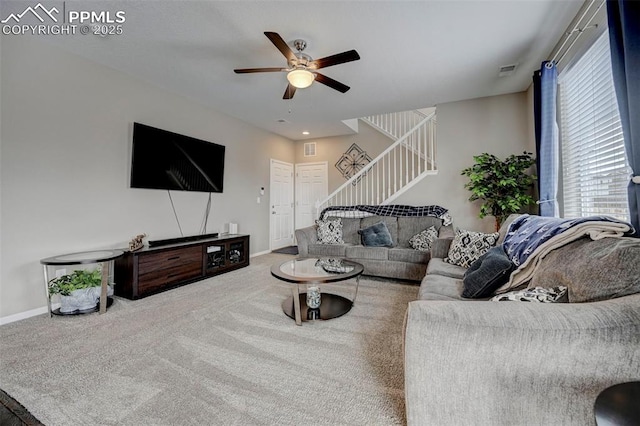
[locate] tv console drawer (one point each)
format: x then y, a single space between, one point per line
156 279
168 259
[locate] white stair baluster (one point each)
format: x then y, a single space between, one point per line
389 174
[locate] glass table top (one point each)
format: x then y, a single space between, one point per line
316 270
95 256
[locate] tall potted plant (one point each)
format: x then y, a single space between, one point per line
502 185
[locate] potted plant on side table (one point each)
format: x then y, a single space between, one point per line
79 291
503 185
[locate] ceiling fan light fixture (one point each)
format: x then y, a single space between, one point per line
300 78
301 68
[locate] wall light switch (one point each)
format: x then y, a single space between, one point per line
258 200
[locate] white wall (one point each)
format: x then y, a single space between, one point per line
66 127
499 125
331 150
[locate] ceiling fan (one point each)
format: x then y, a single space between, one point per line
301 68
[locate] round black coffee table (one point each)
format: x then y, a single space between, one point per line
316 271
619 405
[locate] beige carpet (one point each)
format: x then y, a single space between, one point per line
216 352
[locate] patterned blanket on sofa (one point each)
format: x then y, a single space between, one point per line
398 210
530 238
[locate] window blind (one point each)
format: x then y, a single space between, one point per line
595 171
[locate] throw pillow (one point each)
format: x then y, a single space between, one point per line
376 235
422 241
486 274
536 294
330 231
468 246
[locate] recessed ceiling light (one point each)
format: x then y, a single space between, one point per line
305 133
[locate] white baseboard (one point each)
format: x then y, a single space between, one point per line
260 253
24 315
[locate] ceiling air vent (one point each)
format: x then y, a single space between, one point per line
310 149
506 70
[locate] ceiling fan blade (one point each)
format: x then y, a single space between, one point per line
250 70
289 92
282 45
339 58
320 78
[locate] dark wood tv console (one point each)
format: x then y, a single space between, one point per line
151 270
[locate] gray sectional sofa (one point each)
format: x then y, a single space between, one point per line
479 362
400 261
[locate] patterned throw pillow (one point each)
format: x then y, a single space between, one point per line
536 294
468 246
330 231
422 241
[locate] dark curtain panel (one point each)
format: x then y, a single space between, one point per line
624 39
545 90
537 118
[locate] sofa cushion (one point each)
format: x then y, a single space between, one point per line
486 274
373 253
409 255
327 250
438 266
440 246
350 228
376 235
410 226
422 240
390 221
536 294
438 287
329 231
468 246
592 270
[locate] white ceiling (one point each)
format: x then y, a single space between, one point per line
414 54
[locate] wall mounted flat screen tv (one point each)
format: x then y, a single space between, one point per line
167 160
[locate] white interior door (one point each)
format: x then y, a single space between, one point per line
281 198
312 185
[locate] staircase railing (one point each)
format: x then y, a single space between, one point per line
394 171
396 124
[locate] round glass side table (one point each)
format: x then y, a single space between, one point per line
619 405
92 261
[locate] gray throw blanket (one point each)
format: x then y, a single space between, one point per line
530 238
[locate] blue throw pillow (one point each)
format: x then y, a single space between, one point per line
376 235
487 274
